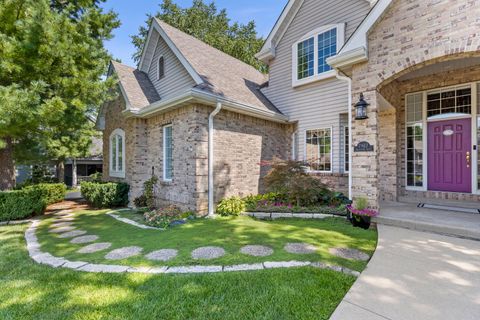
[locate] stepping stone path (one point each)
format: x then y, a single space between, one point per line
351 254
60 224
123 253
84 239
162 255
300 248
64 219
257 251
95 247
72 234
208 253
62 229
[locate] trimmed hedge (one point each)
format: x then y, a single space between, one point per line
105 195
51 192
23 203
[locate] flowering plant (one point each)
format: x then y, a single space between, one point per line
161 218
362 212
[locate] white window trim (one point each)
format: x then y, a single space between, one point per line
331 148
165 154
316 76
116 173
158 67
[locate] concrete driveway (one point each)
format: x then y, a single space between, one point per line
416 275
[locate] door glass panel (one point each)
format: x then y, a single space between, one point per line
458 100
414 140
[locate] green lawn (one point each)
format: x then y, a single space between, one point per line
229 233
32 291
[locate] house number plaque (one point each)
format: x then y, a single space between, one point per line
363 146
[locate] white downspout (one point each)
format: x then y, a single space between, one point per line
350 133
212 115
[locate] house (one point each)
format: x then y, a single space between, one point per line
379 97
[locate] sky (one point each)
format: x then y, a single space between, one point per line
132 14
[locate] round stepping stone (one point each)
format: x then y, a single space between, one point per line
123 253
208 253
95 247
162 255
351 254
72 234
62 229
84 239
257 251
300 248
60 224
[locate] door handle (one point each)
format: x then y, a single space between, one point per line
468 159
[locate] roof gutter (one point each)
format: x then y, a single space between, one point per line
348 58
200 96
211 117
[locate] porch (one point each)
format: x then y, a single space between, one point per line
442 217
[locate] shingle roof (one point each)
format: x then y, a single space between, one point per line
137 86
221 73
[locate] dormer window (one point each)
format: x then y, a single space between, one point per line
161 67
311 52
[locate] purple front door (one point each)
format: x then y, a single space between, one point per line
449 156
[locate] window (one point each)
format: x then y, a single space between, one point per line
414 140
327 47
117 153
319 149
449 101
311 52
167 153
306 58
161 68
346 161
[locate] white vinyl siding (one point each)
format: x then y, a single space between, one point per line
176 78
318 104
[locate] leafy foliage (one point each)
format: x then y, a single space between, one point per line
105 195
51 67
50 192
149 191
361 203
205 22
231 207
162 218
20 204
140 202
291 179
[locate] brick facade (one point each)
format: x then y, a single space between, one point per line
241 142
411 35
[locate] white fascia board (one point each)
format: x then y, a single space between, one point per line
195 76
351 52
268 50
196 95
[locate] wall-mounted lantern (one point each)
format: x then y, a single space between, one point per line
361 109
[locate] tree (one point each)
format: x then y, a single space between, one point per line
205 22
52 60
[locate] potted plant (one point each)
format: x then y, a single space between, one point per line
360 216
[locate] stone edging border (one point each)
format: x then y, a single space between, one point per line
131 222
33 247
14 222
275 215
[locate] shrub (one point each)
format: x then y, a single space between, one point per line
361 203
20 204
291 179
51 192
105 195
231 207
161 218
149 191
96 177
140 202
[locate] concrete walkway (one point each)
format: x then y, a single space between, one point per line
416 275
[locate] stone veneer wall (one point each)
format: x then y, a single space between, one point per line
407 37
241 143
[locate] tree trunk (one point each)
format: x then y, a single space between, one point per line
61 171
74 173
7 166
